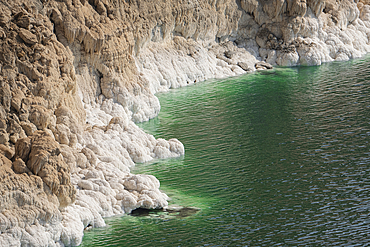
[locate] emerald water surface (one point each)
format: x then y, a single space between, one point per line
272 158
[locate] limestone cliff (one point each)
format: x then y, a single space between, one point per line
76 74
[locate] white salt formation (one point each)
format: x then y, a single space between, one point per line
75 75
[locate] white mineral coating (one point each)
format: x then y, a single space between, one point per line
182 62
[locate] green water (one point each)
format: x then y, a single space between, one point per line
273 158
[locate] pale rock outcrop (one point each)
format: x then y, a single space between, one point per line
309 32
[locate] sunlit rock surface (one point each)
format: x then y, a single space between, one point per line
75 75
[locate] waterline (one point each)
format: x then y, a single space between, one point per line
275 157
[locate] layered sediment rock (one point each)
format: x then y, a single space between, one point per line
75 75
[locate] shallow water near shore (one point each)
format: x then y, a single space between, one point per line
277 157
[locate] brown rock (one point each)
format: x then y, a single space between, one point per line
4 18
7 152
23 198
3 124
13 138
2 117
107 48
23 148
29 128
14 128
23 20
100 8
297 7
28 37
20 167
16 103
45 161
40 116
4 137
5 95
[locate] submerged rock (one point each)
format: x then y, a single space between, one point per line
168 212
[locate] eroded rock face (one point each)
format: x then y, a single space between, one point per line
76 75
59 169
26 205
42 156
309 32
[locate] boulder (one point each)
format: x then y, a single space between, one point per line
244 66
263 65
6 151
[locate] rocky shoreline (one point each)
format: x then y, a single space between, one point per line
75 76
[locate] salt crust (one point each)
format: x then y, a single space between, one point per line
100 157
175 63
105 185
179 62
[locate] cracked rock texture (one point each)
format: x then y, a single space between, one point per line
76 74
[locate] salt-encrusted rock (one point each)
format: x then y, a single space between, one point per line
230 54
90 155
244 66
19 219
263 65
84 71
